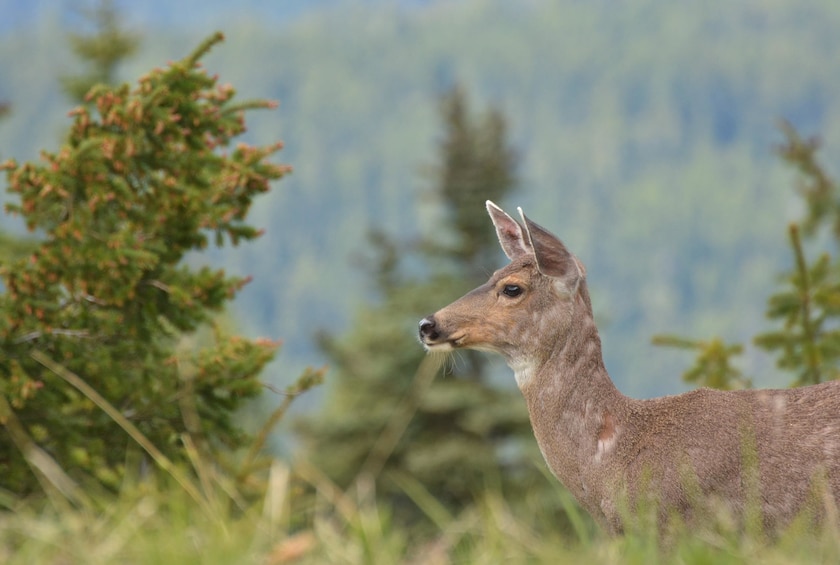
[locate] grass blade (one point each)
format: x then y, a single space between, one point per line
159 458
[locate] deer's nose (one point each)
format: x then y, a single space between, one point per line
427 329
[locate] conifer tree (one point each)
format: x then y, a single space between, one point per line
102 51
146 175
808 343
11 246
808 305
453 435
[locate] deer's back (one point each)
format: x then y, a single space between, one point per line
783 442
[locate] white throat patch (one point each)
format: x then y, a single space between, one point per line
523 370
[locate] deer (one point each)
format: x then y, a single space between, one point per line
766 455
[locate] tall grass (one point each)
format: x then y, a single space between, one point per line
158 522
270 512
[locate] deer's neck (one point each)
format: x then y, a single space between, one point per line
577 413
571 383
569 364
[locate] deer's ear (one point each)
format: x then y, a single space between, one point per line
553 259
511 237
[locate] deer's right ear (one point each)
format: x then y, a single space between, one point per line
511 236
553 259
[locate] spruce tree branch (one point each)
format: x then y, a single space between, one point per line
676 341
816 187
811 353
203 48
249 105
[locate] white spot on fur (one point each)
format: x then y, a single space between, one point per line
604 447
606 436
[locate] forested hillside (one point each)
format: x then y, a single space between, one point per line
645 135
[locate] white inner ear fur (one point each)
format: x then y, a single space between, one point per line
581 269
526 235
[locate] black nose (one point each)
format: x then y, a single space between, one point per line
427 329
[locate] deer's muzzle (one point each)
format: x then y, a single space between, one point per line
433 337
428 331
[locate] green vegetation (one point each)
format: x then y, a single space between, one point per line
808 306
455 436
103 51
644 131
159 523
139 182
642 137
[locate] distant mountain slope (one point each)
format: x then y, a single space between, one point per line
184 14
645 132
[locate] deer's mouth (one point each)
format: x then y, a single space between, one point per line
456 341
438 347
445 344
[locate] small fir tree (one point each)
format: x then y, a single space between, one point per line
808 343
144 177
808 306
455 435
102 51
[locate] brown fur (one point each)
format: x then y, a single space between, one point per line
773 448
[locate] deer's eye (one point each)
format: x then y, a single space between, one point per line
512 290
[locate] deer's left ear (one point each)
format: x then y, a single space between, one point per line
553 259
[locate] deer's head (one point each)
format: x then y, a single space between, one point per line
526 310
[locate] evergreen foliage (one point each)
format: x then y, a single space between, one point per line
12 247
643 130
144 177
713 367
808 305
458 433
808 343
476 165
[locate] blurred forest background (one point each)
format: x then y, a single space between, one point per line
646 136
